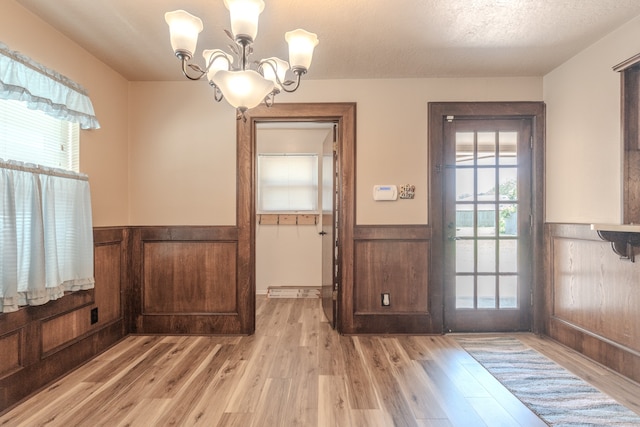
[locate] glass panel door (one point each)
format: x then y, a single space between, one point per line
487 210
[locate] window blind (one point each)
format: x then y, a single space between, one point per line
32 136
287 183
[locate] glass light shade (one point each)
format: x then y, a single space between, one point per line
301 45
183 30
221 61
244 17
243 89
281 67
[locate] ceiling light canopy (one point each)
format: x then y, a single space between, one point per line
243 84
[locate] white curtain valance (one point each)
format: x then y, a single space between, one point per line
44 89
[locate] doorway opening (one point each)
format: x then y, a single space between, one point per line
339 242
295 191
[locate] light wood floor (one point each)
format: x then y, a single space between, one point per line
295 371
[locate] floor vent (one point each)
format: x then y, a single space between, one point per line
293 292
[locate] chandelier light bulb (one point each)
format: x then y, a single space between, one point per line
275 69
243 89
216 60
301 45
244 17
183 30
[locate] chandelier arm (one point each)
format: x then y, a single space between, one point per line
198 69
194 67
298 72
271 65
285 86
216 55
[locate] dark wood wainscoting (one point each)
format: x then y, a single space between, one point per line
393 260
41 343
593 298
186 282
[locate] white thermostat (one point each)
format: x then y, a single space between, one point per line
385 192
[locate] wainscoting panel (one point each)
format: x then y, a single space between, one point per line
398 268
188 280
189 277
10 360
393 260
593 298
109 264
41 343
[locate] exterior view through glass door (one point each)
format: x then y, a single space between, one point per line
487 219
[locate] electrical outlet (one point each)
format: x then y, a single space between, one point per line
94 315
385 299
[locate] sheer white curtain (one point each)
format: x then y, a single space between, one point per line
46 245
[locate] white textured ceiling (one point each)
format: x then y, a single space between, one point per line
358 38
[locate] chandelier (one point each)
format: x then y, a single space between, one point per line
242 83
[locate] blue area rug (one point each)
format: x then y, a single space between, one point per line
557 396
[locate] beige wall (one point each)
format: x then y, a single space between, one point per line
584 147
182 158
103 152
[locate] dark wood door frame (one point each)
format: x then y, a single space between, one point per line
344 114
438 112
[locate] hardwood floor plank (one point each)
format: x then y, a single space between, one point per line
440 422
493 413
287 346
182 368
330 353
389 391
117 359
413 382
125 399
302 402
210 407
415 347
271 408
95 408
456 406
361 390
333 401
311 320
235 420
371 418
183 403
45 407
294 371
277 321
146 412
249 387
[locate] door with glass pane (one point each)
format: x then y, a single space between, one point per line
487 220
